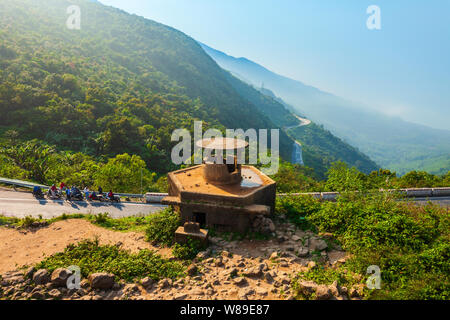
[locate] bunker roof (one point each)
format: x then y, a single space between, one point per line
222 143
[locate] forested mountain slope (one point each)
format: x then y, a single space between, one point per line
120 84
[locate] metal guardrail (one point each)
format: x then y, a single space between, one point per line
410 193
26 184
20 183
154 197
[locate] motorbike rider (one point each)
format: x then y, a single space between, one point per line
93 196
86 192
53 190
75 192
37 191
111 195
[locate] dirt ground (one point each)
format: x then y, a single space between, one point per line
25 247
242 269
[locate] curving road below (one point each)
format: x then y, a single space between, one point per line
22 204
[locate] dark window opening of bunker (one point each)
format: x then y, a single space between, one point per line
200 218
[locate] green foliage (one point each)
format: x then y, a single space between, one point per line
189 250
92 257
294 178
326 276
135 223
162 226
32 157
10 221
161 185
124 173
148 81
409 243
341 178
297 209
418 179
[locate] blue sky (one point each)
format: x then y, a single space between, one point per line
402 69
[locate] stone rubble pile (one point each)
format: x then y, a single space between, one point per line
226 270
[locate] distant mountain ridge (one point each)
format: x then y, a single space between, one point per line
320 147
391 142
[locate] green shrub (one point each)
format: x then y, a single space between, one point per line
92 257
409 243
323 275
187 251
101 218
297 208
27 222
8 220
162 226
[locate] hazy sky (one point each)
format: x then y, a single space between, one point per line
402 69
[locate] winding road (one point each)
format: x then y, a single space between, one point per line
297 152
303 122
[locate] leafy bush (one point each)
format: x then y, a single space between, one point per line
409 243
323 275
162 226
294 178
101 218
297 208
92 257
8 220
135 223
187 251
418 179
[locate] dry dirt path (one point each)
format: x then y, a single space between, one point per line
25 247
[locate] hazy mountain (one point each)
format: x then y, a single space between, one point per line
391 142
320 147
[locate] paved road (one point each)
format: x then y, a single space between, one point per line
21 204
303 122
442 201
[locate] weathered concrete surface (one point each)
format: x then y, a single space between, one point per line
21 204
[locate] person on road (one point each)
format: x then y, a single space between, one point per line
93 196
68 194
62 186
53 190
100 191
111 195
86 192
37 192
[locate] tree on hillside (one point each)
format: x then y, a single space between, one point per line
31 156
124 173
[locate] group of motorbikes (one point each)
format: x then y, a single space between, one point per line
74 195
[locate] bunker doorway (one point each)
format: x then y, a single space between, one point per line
200 217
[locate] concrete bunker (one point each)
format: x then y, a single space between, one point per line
225 195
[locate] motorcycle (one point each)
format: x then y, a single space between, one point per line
38 194
116 199
54 196
96 197
77 196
